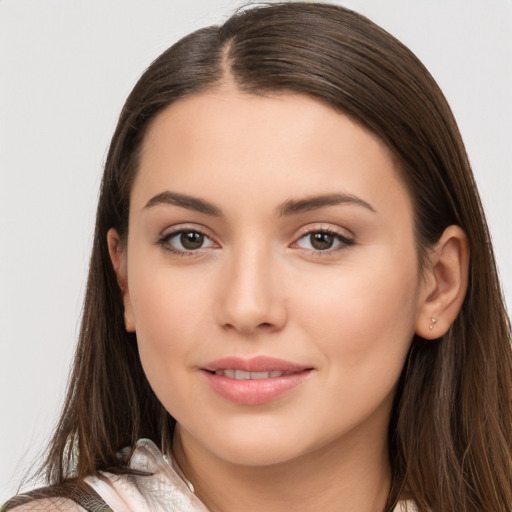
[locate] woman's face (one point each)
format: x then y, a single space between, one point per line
271 275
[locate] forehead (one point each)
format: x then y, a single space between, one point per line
229 143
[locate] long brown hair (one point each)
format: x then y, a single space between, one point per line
450 435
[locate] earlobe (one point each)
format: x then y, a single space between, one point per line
445 284
118 257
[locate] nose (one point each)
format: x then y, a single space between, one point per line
251 297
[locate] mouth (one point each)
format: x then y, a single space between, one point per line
259 367
237 374
255 381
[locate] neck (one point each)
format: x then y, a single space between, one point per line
348 474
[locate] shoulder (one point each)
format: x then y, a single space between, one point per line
67 497
151 483
25 503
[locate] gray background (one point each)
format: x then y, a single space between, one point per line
65 69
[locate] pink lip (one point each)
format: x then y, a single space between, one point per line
255 364
255 391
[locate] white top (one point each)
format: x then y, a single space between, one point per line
164 491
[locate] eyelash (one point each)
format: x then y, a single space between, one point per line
164 242
345 242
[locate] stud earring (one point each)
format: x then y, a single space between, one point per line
433 322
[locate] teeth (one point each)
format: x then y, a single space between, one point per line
243 375
260 375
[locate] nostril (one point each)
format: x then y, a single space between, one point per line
250 316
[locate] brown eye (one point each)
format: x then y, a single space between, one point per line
191 240
321 241
185 242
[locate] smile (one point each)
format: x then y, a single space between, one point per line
254 381
244 375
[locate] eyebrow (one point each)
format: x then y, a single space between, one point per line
296 206
184 201
289 207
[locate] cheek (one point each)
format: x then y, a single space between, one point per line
363 318
169 313
361 324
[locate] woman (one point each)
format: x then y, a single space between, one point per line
292 293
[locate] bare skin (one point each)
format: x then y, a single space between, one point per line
277 227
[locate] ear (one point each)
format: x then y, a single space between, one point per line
445 284
117 251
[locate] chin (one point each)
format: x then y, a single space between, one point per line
265 445
259 454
